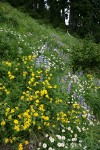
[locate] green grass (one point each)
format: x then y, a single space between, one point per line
78 94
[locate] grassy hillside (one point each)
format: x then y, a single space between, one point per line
43 104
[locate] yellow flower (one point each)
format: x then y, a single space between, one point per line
7 92
84 112
84 116
48 124
9 117
3 123
22 97
37 101
16 128
16 69
45 118
12 77
35 83
34 123
12 110
53 125
5 104
14 138
32 79
29 57
26 142
16 108
29 82
24 73
15 121
36 92
8 63
25 114
7 109
77 120
47 96
55 86
20 146
50 87
11 141
35 114
43 92
6 140
32 110
19 116
25 62
39 127
32 74
41 108
9 73
75 105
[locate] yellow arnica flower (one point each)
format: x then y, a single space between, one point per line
16 108
39 127
26 142
55 86
12 110
19 116
9 117
8 63
22 97
3 123
6 140
45 117
37 101
9 73
11 141
7 109
12 77
35 114
20 146
16 128
15 121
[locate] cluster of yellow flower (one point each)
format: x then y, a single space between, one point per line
10 75
61 116
35 105
4 89
20 146
26 59
8 63
76 105
35 97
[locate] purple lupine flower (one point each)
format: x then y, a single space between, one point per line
69 87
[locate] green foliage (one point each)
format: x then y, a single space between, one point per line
8 20
85 56
93 91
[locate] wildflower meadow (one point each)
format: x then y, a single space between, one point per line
43 104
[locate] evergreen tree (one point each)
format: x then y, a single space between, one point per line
81 16
84 14
84 17
96 20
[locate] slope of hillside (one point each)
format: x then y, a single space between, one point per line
40 98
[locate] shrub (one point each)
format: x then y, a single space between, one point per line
85 56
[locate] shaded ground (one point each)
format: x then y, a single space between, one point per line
5 147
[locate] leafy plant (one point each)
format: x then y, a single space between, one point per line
85 56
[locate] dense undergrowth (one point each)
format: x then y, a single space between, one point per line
43 104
